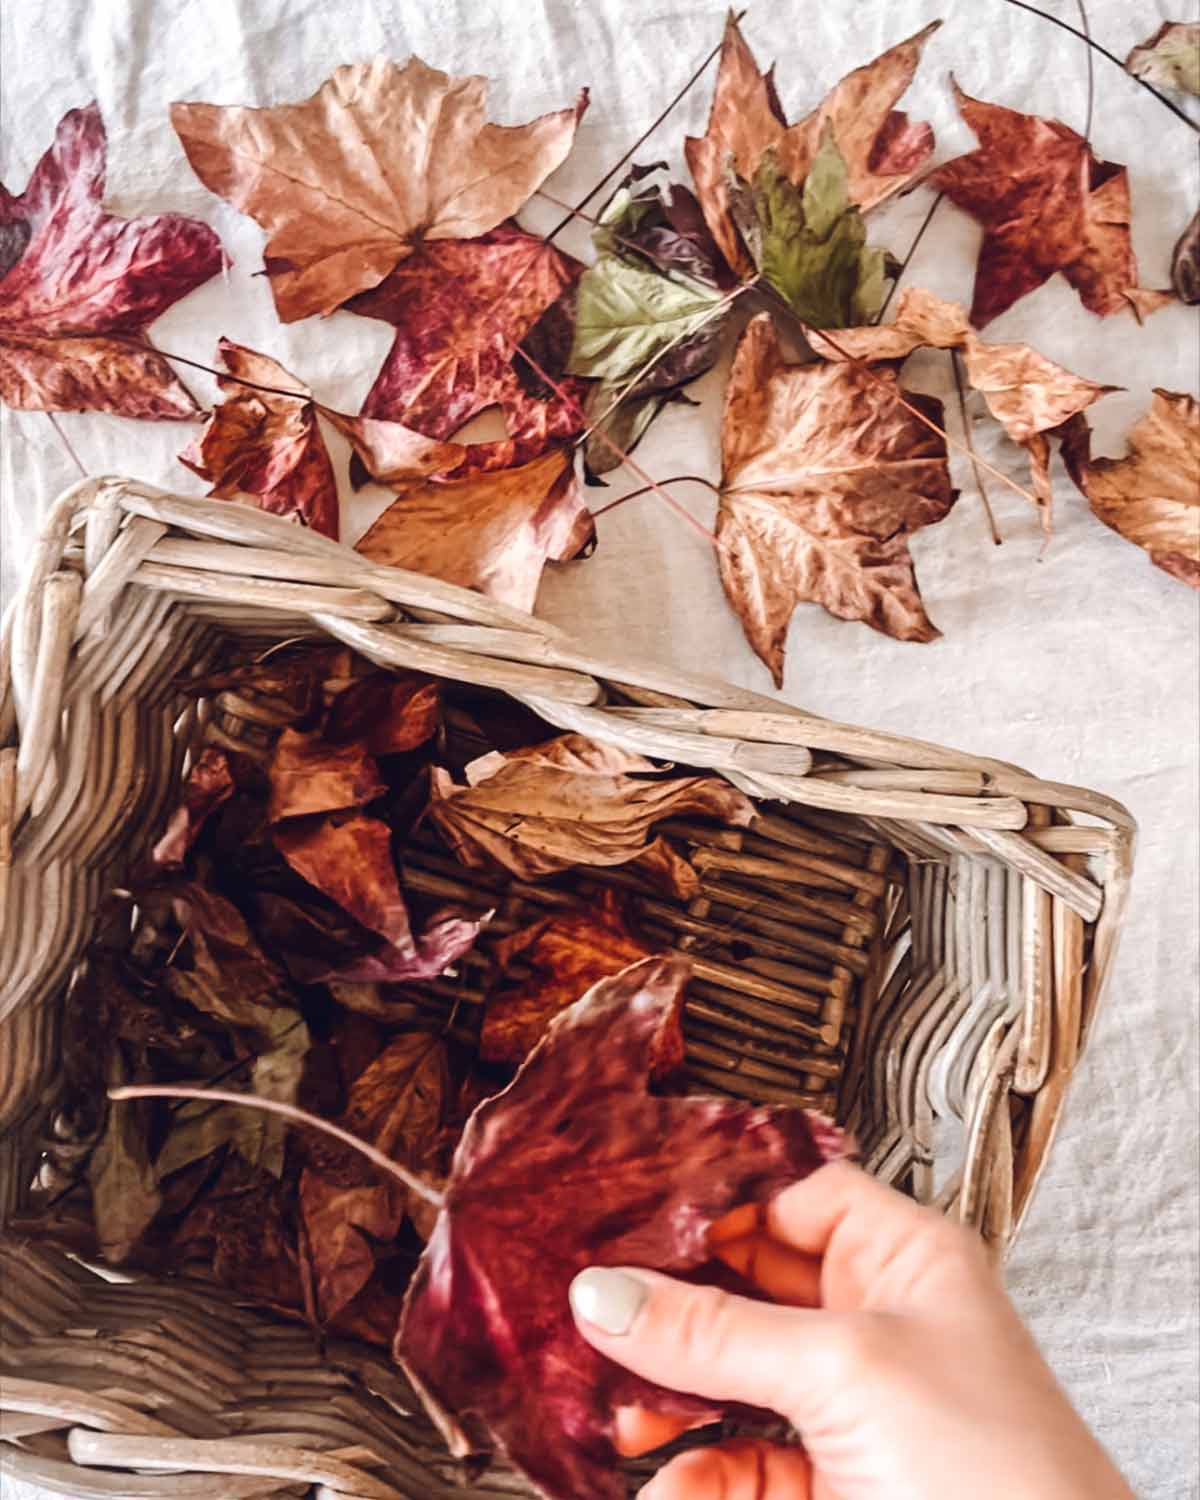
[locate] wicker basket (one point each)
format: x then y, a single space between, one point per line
922 937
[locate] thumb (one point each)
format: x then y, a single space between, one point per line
706 1342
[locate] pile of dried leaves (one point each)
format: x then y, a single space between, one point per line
390 194
269 947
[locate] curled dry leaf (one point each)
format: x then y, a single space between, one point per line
883 151
1170 58
447 936
572 802
566 954
125 1195
1032 397
386 713
578 1164
381 157
493 532
1185 263
210 782
396 1105
348 857
1152 496
1046 205
824 477
79 286
461 310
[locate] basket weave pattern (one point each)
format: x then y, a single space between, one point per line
922 939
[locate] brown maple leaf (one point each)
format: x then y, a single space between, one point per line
571 801
882 149
577 1164
1152 496
566 954
79 286
493 532
348 181
264 440
1046 205
824 478
461 309
1029 395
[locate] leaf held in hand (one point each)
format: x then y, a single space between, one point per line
1151 497
380 157
825 476
1046 205
79 286
1170 58
578 1164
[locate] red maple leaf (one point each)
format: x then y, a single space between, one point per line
79 286
460 308
578 1164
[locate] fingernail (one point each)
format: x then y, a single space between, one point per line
608 1300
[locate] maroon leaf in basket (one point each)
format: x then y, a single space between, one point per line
210 782
571 801
386 712
1047 205
460 309
79 287
577 1163
308 774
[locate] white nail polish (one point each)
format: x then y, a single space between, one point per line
608 1300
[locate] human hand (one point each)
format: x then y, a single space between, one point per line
892 1349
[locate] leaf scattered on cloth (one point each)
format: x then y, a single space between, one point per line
1151 496
1170 58
1046 205
1185 263
269 445
493 532
571 801
1029 395
578 1164
566 954
125 1195
380 158
810 243
461 310
883 151
396 1105
824 477
79 287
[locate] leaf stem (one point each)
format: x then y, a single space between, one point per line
912 250
1091 65
66 442
1112 57
956 366
645 489
291 1112
645 136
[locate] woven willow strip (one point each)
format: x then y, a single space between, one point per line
914 937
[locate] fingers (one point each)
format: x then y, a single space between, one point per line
639 1430
734 1471
705 1342
838 1197
781 1273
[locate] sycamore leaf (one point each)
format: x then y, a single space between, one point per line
1170 58
379 158
577 1164
1151 497
1032 397
125 1195
882 150
493 532
810 243
623 419
1046 205
824 477
462 310
572 802
79 286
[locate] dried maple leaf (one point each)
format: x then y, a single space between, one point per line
396 1105
348 857
824 477
229 977
461 309
567 954
79 286
493 532
1032 397
310 774
210 782
387 713
882 150
1152 496
571 802
1170 58
578 1164
1046 205
347 182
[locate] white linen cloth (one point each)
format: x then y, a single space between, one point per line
1081 664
